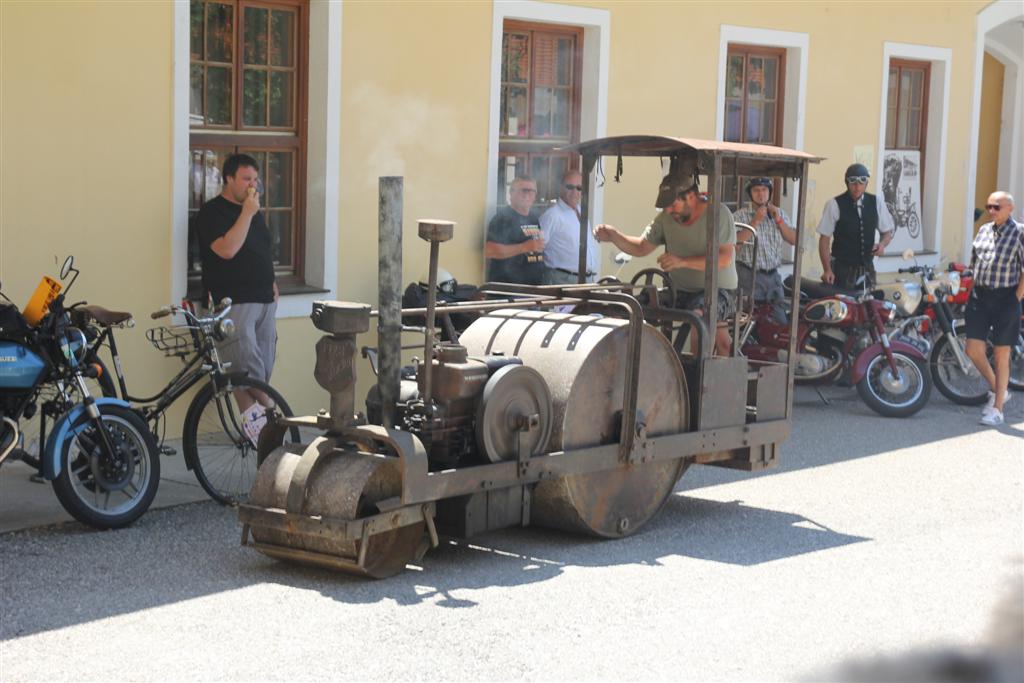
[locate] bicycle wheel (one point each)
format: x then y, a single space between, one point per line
49 406
913 226
216 449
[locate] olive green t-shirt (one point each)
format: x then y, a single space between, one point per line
691 240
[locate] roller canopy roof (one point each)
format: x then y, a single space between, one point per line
750 158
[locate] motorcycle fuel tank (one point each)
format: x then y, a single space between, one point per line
19 366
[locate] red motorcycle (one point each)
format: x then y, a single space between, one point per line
842 336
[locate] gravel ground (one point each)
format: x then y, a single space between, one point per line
874 538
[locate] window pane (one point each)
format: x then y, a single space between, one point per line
280 98
254 98
516 121
894 75
219 26
732 120
916 87
543 106
280 224
771 78
754 117
890 126
282 35
734 77
196 29
901 128
755 78
255 35
278 179
565 55
508 168
195 100
561 103
767 135
218 95
516 58
914 129
540 166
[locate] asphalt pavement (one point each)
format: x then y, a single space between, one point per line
898 539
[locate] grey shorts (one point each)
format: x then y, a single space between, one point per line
694 300
253 346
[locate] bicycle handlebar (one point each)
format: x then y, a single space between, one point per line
191 318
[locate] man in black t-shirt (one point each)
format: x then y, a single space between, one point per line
235 248
514 247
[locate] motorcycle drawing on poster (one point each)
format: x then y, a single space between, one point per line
901 191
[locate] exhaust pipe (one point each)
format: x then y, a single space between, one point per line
389 287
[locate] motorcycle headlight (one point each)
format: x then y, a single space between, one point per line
954 282
73 345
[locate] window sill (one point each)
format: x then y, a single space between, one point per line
293 290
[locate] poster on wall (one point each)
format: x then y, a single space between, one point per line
901 191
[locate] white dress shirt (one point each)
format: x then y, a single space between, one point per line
560 226
830 216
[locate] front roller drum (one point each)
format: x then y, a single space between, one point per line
335 508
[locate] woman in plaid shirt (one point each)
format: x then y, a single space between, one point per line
997 261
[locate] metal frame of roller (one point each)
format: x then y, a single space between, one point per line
582 422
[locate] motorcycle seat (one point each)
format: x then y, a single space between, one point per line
816 289
105 317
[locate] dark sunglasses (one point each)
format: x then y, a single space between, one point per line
578 188
993 207
857 179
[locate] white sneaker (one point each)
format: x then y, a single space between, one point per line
254 419
992 399
991 417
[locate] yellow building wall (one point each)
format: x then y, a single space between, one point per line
988 133
87 96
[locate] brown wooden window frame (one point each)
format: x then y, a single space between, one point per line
899 65
236 136
739 197
530 149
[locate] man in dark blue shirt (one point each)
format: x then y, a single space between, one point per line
515 247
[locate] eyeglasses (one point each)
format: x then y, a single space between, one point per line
993 207
578 188
857 180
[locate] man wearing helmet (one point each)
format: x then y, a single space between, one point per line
846 244
682 228
773 228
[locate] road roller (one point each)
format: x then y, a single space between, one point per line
574 407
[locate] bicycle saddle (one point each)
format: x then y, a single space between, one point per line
103 316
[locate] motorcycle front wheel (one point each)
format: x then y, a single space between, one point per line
899 394
967 389
102 489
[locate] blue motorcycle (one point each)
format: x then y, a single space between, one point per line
99 455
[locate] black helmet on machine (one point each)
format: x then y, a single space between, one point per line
760 182
856 173
446 282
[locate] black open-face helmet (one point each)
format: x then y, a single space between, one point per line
859 171
760 182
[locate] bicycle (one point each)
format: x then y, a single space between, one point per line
216 448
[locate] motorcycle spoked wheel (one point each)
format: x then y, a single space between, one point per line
896 395
108 490
967 389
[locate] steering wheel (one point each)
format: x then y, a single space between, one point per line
648 275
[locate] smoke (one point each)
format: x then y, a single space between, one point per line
397 127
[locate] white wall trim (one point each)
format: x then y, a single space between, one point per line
596 25
323 157
797 50
995 14
180 162
1010 171
941 59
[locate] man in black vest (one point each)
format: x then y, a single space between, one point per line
847 232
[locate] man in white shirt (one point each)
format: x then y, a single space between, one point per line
847 229
560 227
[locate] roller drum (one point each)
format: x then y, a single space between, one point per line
583 358
344 485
